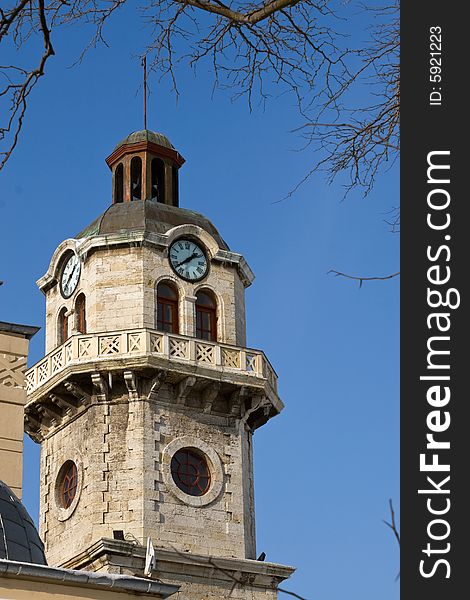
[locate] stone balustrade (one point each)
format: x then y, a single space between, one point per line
83 348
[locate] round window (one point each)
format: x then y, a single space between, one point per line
67 483
190 471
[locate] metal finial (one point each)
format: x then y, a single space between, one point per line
144 64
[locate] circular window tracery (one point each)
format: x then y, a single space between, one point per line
190 471
68 483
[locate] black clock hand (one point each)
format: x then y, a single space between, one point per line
187 259
68 279
71 275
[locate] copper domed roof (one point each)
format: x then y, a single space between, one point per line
19 539
145 135
150 216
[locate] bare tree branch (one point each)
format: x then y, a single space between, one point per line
20 82
256 49
393 527
392 523
360 141
361 279
247 18
393 219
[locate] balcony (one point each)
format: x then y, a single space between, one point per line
113 350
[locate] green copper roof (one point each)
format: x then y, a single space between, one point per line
92 229
146 135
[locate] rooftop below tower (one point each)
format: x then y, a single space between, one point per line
19 539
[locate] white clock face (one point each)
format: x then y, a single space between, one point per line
70 276
188 260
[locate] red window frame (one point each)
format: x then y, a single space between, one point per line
163 302
202 308
202 332
80 308
191 472
63 327
68 483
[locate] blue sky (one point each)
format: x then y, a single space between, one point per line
326 467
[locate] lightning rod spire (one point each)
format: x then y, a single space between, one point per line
144 64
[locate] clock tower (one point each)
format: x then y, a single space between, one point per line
147 399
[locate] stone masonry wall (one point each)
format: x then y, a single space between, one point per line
120 284
101 442
120 448
112 281
219 527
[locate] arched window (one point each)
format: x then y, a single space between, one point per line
136 178
176 192
167 308
206 316
62 327
119 183
80 313
158 180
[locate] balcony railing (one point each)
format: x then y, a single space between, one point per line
81 349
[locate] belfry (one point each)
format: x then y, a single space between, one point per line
147 398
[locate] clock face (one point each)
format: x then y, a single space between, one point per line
188 260
70 276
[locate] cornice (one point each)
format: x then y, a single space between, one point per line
142 147
87 245
261 573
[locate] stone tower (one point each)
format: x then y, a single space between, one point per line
147 399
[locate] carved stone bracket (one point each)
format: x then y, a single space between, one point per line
51 413
155 385
68 406
77 391
130 380
258 413
236 399
209 394
183 388
101 387
33 428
